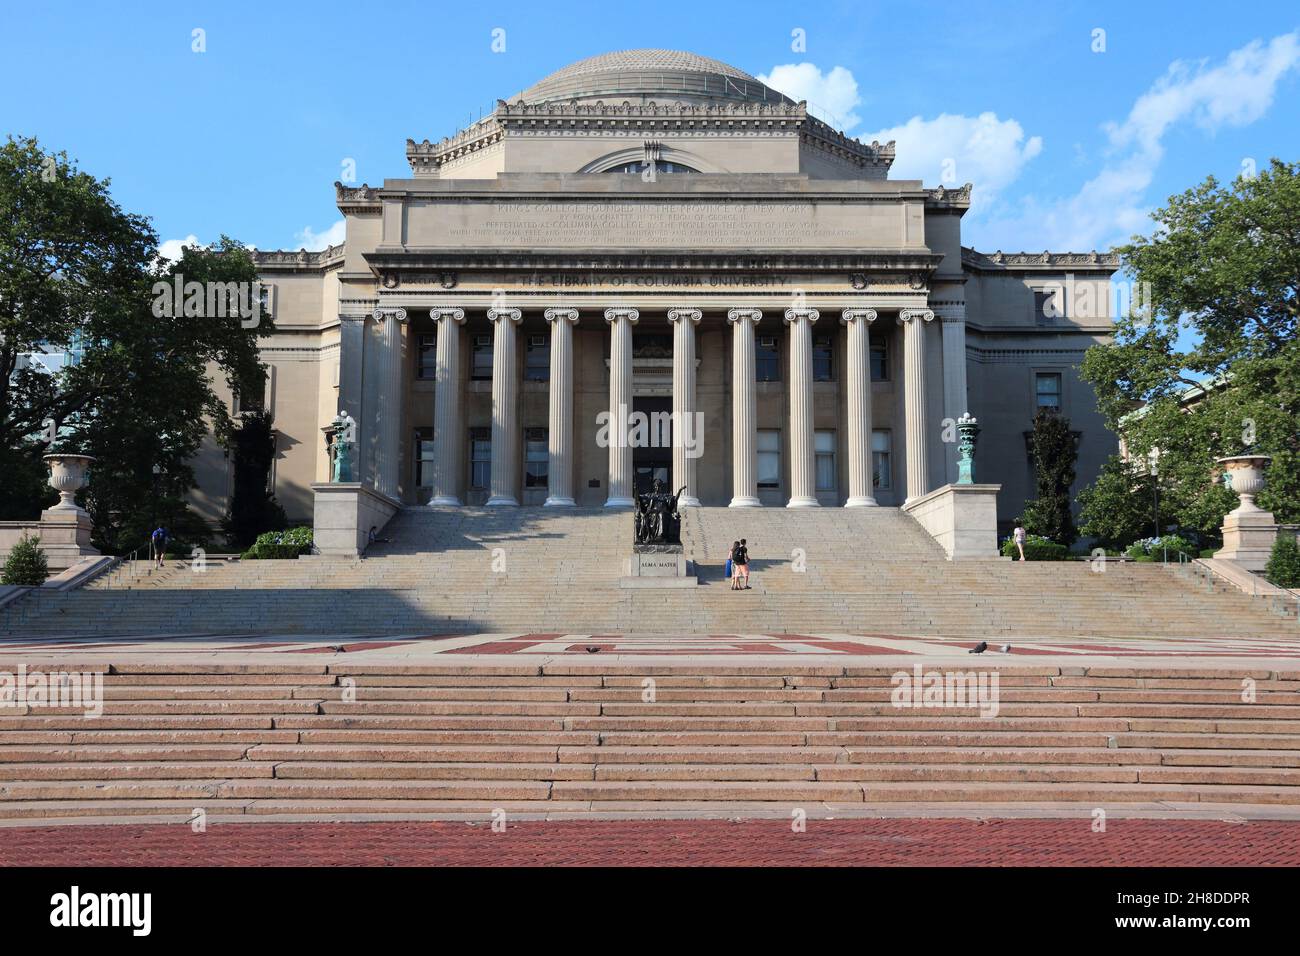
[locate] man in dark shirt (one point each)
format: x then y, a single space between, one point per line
741 561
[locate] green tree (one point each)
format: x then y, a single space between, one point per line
1223 270
26 564
253 509
1119 507
1055 453
78 274
1283 568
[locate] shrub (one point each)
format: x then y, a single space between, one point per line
1208 552
1283 568
278 545
1155 549
1037 548
26 565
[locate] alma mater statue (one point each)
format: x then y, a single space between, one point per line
657 520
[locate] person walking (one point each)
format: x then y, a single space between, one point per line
158 541
741 558
1018 536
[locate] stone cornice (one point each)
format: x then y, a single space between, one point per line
1106 262
916 265
357 199
943 198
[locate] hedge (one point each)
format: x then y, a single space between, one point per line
1283 568
1036 549
279 545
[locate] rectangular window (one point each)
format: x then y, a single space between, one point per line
1047 306
823 359
1047 386
879 360
769 458
251 397
537 359
536 458
480 457
825 449
881 465
424 458
426 357
481 362
767 360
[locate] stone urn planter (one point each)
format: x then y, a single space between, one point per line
67 477
1247 472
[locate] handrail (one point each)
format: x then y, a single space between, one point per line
1279 601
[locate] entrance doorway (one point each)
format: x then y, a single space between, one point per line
655 459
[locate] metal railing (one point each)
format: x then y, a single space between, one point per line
1278 600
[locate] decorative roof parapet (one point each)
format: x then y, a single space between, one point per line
943 197
363 198
638 118
1108 261
302 259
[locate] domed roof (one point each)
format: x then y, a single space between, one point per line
663 73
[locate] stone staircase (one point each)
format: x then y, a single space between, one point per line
333 740
528 570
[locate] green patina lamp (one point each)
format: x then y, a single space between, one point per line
968 430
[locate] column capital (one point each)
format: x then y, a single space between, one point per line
849 316
613 315
951 312
456 315
690 315
512 315
561 315
738 315
794 315
385 311
907 315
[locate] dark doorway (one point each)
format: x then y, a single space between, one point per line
652 457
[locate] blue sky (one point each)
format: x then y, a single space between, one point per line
1067 147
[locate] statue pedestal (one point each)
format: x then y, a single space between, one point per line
1248 538
658 566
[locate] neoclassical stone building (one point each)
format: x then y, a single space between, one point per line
657 232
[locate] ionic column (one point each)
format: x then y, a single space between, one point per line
559 436
505 410
448 430
620 405
861 492
685 472
916 427
803 453
744 418
388 449
953 318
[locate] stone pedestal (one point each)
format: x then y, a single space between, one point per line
343 515
658 566
65 537
963 519
1248 538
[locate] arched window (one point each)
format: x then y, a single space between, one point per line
637 166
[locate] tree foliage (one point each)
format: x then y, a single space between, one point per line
253 509
1055 453
78 275
1223 268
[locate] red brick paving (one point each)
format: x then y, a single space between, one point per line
888 842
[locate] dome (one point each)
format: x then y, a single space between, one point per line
671 74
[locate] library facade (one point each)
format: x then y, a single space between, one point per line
651 265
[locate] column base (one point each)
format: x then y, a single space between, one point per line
803 502
502 501
861 502
689 501
445 501
560 503
745 501
619 503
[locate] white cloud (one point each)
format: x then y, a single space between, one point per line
951 150
832 96
1112 206
314 241
170 250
